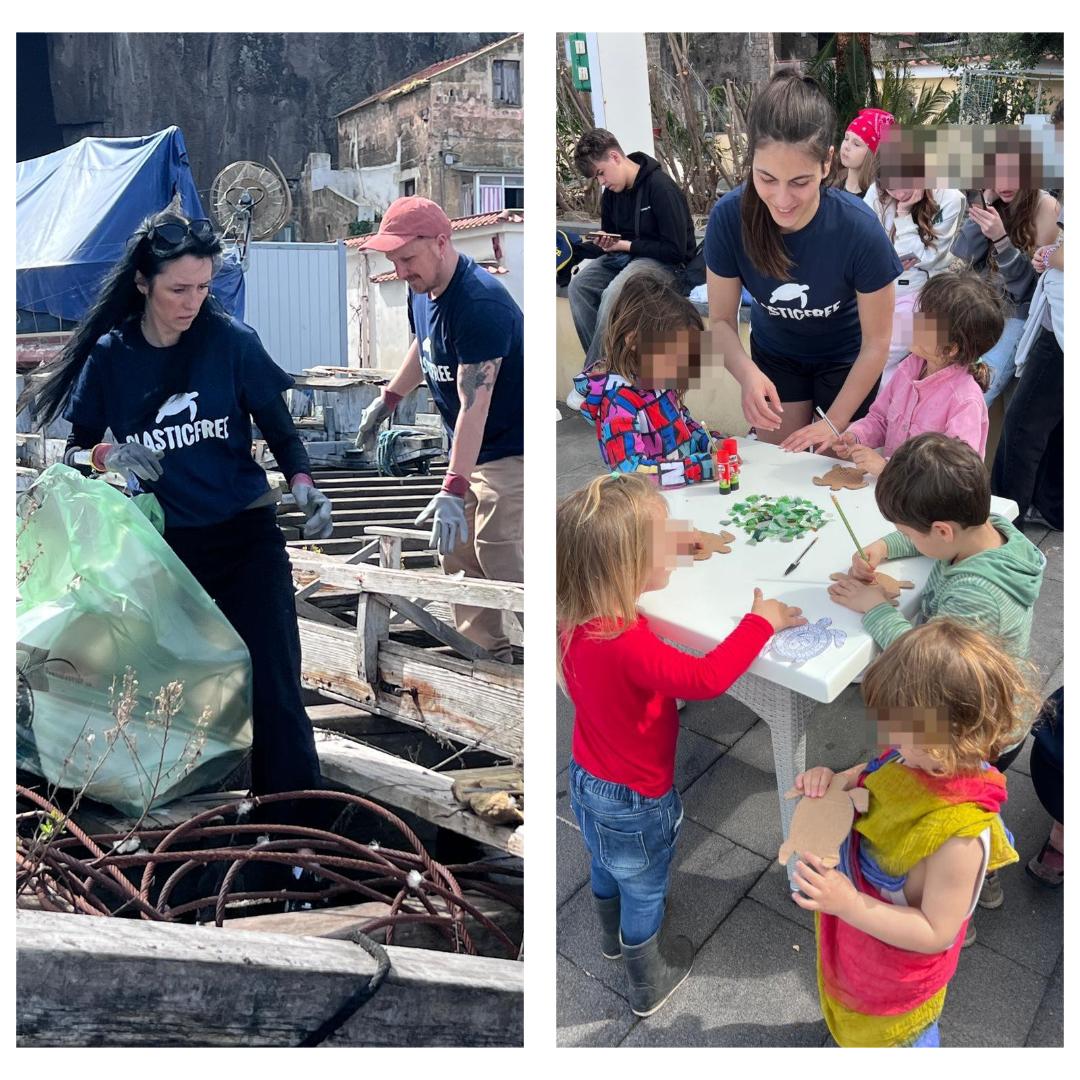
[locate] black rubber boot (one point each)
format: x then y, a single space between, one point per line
608 913
656 968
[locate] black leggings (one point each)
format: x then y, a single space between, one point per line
242 564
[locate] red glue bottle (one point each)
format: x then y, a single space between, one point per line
731 449
723 471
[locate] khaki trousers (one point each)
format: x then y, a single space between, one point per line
494 509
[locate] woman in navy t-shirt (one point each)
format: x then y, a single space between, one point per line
177 381
818 265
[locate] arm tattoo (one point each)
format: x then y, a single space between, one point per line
474 377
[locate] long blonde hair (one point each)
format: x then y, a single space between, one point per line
986 694
603 540
867 174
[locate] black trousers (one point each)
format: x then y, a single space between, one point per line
1029 466
242 564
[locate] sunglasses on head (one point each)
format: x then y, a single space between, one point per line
170 235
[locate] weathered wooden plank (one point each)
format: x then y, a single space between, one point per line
82 981
393 530
441 631
404 784
372 629
499 595
340 922
470 702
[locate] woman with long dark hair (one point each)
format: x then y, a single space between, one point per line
921 224
159 363
817 263
1006 224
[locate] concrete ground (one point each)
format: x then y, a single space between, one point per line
753 982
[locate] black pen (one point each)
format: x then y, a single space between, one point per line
800 558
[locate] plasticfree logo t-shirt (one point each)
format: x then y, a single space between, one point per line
814 316
473 320
203 429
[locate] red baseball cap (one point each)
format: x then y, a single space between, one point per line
409 218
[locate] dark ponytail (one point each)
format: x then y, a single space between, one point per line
118 301
790 109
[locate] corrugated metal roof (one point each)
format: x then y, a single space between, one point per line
420 78
473 221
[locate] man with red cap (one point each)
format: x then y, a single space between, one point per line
468 349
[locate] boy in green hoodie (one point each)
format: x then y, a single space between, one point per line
936 491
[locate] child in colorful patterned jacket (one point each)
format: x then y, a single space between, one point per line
652 352
890 919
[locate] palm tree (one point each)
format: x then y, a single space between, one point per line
845 70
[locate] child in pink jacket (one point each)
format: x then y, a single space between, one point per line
939 385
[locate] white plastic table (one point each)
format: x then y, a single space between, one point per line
704 602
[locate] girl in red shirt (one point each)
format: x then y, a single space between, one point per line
614 541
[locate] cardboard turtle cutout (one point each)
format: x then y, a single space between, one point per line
708 543
820 825
841 477
891 585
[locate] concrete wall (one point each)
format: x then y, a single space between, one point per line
620 96
388 316
408 136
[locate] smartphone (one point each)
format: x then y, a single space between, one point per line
598 234
982 199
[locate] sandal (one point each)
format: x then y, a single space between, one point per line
1048 867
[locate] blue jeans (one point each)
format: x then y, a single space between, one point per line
631 839
1001 359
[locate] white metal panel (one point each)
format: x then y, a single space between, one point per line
296 301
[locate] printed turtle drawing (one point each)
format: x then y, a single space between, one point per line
820 825
800 643
177 404
790 292
840 477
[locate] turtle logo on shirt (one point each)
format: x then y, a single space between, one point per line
790 292
177 404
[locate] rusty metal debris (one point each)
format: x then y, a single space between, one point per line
138 873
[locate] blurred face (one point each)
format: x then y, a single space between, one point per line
609 171
912 731
1007 176
175 295
929 339
852 151
668 359
671 544
419 262
788 181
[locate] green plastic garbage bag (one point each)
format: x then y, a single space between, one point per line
131 684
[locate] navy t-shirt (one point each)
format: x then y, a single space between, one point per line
473 320
813 316
204 429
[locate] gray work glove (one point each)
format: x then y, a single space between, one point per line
133 457
317 510
449 527
370 419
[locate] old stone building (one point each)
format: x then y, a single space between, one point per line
452 132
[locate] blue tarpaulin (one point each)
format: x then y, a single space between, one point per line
76 208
